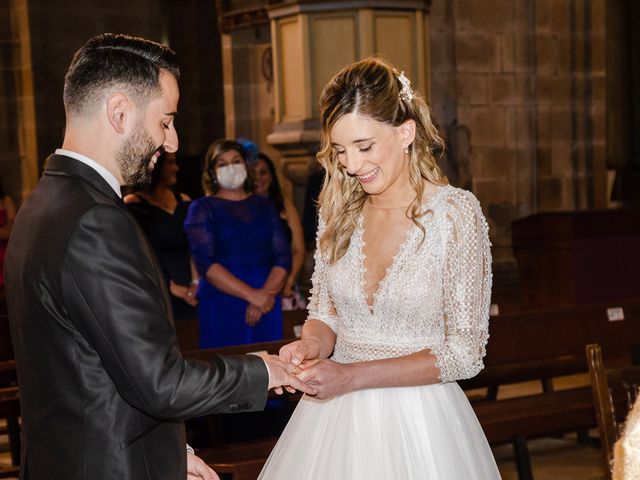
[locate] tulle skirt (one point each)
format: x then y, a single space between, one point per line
428 432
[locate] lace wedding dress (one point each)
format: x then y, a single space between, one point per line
435 295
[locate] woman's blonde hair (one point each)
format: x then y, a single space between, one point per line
371 88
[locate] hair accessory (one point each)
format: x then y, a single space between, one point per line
406 93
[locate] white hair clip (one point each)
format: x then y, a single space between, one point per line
406 93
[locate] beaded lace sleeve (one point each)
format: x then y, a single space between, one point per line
466 290
320 305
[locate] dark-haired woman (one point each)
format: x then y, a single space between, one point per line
267 185
161 211
241 252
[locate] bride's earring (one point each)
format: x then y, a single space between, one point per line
406 149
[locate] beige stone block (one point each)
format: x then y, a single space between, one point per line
598 123
561 160
599 87
551 193
494 191
543 160
443 92
488 126
553 88
546 48
487 15
561 129
520 126
543 9
510 89
477 52
560 20
494 162
543 124
598 52
472 89
598 15
439 13
441 51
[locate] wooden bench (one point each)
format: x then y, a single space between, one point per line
544 345
234 455
10 410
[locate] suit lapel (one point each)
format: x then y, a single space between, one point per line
67 166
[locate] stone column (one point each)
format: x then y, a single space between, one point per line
312 40
18 156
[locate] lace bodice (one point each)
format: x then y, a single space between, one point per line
435 293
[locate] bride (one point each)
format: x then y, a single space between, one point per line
400 300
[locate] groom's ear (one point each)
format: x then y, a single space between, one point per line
120 112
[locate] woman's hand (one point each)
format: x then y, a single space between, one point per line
301 353
252 316
287 291
188 294
329 378
261 299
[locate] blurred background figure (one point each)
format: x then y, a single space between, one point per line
241 251
7 214
267 185
161 212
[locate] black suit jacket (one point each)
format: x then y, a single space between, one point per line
103 386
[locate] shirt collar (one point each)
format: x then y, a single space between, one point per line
104 173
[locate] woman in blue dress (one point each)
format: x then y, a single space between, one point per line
241 252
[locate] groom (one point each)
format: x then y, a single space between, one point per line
103 387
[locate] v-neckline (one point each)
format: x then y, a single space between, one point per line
403 245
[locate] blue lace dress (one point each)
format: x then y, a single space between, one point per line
247 238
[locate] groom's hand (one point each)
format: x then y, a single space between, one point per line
198 470
281 375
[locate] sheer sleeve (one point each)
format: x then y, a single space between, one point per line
279 243
199 229
466 290
320 305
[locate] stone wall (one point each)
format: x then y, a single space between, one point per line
17 120
37 41
518 87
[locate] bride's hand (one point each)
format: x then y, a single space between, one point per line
329 378
300 352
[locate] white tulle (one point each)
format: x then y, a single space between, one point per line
435 295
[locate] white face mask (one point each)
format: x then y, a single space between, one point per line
231 176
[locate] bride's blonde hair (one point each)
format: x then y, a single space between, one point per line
372 88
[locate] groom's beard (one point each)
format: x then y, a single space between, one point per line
134 157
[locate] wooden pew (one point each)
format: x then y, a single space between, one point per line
543 345
241 459
10 410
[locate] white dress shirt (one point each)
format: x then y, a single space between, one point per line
104 173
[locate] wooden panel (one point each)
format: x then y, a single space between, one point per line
332 46
395 39
292 69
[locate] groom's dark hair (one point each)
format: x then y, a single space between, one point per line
108 61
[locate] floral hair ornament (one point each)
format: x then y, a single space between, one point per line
406 93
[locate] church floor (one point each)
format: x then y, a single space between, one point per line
551 458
